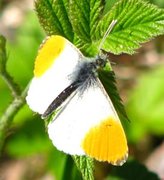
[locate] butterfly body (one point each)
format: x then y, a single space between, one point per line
84 76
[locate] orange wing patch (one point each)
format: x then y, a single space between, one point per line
53 46
106 142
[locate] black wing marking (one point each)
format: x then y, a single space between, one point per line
60 99
83 78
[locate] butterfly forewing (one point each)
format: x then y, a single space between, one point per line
61 58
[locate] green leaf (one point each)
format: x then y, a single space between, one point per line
84 16
70 170
84 23
137 22
107 78
133 170
109 5
85 166
62 166
56 164
53 16
159 3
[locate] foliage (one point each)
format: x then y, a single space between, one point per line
146 104
132 170
85 165
84 23
11 76
137 22
107 78
160 3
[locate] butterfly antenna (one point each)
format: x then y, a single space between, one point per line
112 24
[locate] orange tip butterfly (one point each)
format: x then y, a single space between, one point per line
85 122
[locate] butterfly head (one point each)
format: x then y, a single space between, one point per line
101 59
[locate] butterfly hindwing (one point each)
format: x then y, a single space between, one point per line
89 125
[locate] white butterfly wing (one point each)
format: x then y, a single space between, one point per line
56 60
89 125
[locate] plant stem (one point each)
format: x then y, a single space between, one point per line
9 114
19 98
15 90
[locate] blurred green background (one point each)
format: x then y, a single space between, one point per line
141 85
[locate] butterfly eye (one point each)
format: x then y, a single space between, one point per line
101 61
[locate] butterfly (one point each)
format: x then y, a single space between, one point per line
66 86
